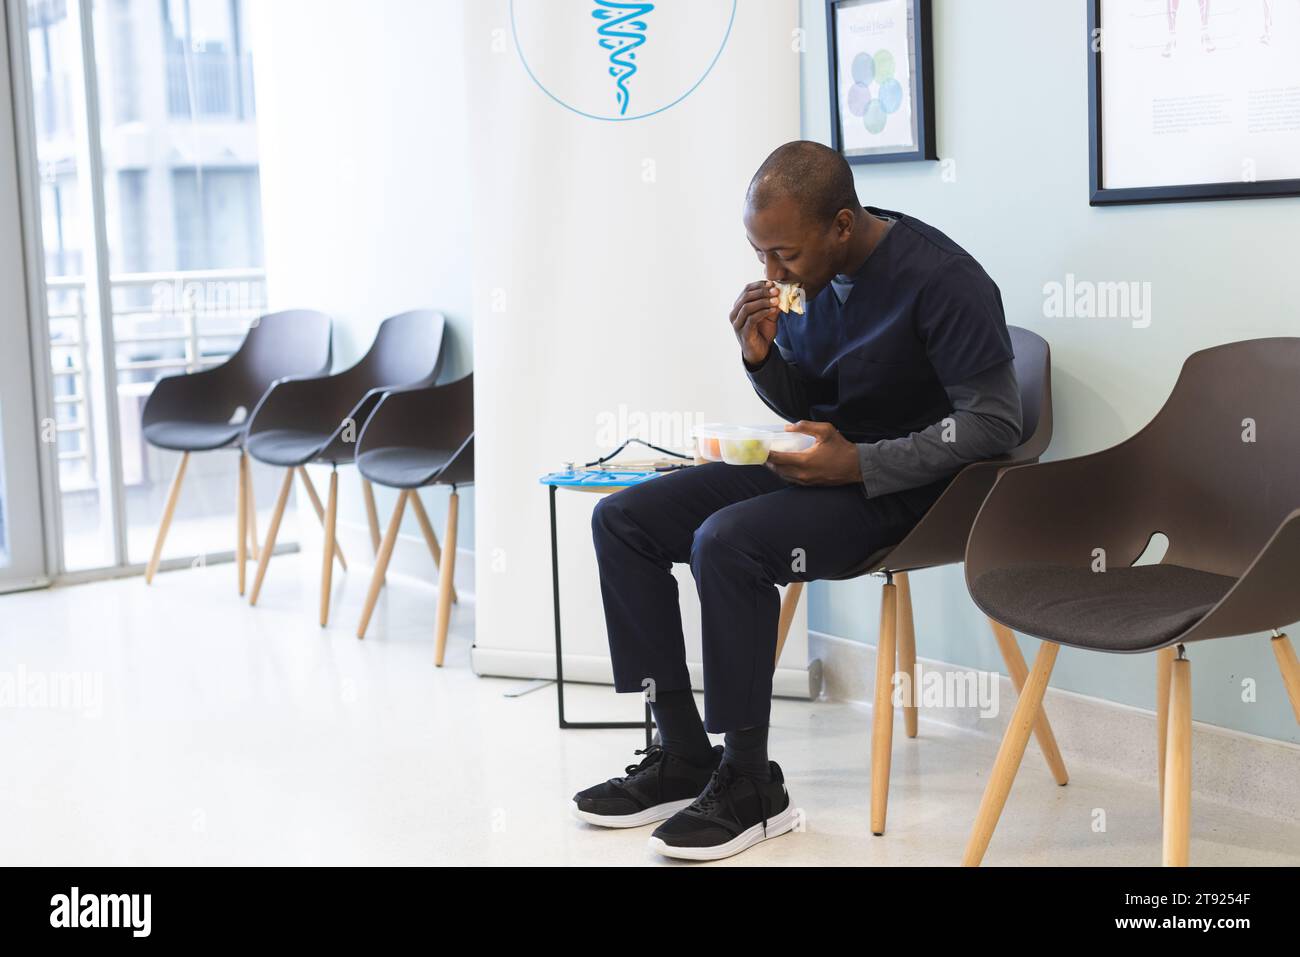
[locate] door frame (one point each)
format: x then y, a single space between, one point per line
25 449
97 294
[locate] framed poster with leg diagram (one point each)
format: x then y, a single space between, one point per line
1193 100
881 80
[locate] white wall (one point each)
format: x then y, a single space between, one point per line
1013 116
365 198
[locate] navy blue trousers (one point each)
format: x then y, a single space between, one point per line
744 530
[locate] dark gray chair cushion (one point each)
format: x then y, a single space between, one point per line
403 466
286 447
1123 609
192 436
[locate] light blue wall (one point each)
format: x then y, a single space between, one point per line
1012 109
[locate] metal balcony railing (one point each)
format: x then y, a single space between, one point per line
163 322
209 83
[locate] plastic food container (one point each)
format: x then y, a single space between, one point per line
747 444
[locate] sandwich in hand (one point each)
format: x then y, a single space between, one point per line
792 297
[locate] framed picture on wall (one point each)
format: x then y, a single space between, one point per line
881 80
1193 100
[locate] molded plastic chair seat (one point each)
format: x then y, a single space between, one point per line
182 436
287 447
404 466
939 538
416 438
1228 505
193 412
320 420
200 411
1132 609
1217 473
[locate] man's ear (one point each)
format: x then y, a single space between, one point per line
844 221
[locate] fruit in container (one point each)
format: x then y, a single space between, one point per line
744 451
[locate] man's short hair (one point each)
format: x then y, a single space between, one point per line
816 177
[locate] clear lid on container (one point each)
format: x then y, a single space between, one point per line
747 444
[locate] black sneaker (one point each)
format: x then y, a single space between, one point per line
657 788
735 812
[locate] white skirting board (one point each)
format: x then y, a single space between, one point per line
787 682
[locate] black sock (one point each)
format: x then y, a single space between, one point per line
746 752
680 729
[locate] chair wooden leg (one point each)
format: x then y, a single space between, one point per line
789 605
1286 660
430 539
381 561
173 496
1164 674
882 712
372 514
253 552
1018 671
320 512
1178 767
327 561
446 573
1010 754
268 546
907 651
241 521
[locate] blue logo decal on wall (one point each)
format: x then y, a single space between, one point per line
621 35
656 54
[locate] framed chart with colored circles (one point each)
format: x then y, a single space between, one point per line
882 91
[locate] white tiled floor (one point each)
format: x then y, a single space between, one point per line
234 735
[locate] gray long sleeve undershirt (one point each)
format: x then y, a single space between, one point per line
985 422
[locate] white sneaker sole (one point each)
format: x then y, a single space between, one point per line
776 826
660 812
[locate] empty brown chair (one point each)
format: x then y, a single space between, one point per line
303 421
940 539
1052 553
199 411
415 439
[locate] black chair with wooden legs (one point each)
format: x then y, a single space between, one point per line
199 411
319 420
1053 552
940 539
413 440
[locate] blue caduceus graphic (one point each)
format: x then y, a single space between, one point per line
621 32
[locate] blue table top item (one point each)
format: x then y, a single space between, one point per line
598 478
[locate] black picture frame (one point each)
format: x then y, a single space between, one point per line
1100 195
922 86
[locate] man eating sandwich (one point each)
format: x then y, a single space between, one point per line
881 337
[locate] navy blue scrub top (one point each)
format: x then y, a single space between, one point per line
922 315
